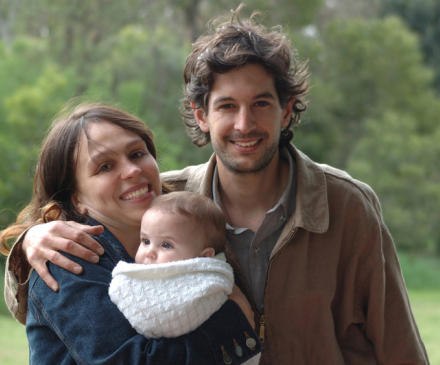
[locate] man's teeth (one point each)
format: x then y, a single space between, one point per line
136 194
248 144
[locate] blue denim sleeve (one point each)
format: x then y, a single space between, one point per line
80 324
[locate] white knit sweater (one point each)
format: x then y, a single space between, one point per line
171 299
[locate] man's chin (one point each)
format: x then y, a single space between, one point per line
245 168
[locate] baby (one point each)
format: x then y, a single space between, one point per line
181 275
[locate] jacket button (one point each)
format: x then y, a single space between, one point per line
251 343
239 351
227 359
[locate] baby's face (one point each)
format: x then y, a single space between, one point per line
169 237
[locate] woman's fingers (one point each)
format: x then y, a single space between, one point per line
43 242
76 240
80 234
69 237
41 268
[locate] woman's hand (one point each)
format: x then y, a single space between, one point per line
238 297
42 243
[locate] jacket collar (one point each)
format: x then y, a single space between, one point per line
311 212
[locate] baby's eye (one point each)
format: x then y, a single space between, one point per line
146 241
167 245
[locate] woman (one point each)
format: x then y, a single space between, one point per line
98 167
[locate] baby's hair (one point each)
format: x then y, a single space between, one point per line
201 210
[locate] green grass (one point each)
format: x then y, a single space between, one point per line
14 346
426 309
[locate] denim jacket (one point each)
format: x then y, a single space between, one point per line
79 324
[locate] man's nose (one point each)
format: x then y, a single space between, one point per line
245 121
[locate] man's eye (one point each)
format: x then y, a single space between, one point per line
146 241
166 245
261 103
226 106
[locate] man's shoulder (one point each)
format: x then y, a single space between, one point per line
343 181
345 178
333 176
190 178
182 175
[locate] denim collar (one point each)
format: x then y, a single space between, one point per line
109 242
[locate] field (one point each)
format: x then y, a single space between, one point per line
424 290
14 348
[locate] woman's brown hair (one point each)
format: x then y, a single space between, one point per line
54 181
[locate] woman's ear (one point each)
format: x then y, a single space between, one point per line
207 252
79 206
200 117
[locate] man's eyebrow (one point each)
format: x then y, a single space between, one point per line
267 95
222 99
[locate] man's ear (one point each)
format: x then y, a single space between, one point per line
200 117
207 252
287 113
79 206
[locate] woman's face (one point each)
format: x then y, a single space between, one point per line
116 176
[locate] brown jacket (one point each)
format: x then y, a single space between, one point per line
334 291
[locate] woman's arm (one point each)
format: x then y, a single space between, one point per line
43 243
80 323
38 245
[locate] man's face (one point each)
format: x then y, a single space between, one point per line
244 118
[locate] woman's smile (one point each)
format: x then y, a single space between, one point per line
136 192
117 177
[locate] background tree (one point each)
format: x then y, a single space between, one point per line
372 109
422 16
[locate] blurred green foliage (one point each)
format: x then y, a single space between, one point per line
372 110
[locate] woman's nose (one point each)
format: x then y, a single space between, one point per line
130 170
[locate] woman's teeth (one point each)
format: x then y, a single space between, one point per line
136 194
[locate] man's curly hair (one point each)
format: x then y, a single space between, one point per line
234 44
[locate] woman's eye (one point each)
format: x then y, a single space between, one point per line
166 245
146 241
138 154
104 167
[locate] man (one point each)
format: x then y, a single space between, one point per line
307 242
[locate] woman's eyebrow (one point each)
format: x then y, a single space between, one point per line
102 152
